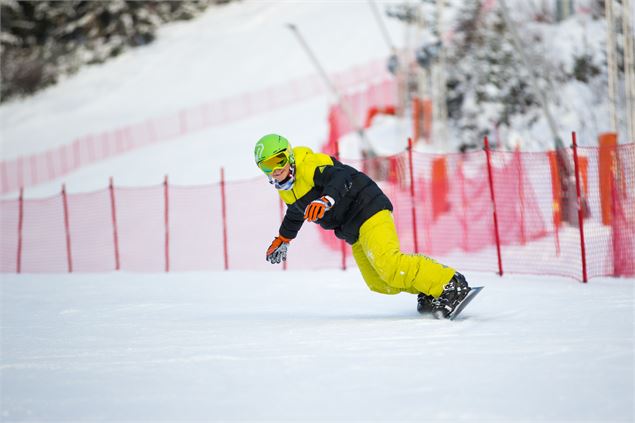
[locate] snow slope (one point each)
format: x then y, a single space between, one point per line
238 48
278 346
296 346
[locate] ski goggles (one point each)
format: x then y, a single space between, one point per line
272 163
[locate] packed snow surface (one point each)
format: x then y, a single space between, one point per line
278 346
288 346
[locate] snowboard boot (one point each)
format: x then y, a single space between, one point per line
424 303
453 293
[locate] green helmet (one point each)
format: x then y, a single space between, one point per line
273 151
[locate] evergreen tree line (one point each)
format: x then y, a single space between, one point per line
487 85
42 41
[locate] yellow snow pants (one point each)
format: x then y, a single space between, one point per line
387 270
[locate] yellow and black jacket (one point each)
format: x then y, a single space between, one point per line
357 197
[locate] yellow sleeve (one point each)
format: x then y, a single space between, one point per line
306 161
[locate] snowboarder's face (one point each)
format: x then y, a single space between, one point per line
281 173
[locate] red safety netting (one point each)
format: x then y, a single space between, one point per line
453 208
356 110
623 213
43 239
230 225
91 242
9 229
195 247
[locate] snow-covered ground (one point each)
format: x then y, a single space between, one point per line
316 346
278 346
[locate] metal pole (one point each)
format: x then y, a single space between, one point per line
441 116
382 27
425 89
612 63
368 148
629 66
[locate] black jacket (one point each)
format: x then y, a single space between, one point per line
357 197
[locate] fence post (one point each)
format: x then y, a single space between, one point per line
20 225
167 223
412 197
580 211
67 228
224 214
493 197
115 230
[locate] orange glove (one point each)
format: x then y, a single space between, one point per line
316 208
277 251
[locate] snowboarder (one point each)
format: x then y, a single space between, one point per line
320 189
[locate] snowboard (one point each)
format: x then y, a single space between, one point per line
468 298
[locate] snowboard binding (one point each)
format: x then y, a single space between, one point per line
451 301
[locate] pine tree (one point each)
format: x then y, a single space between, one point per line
43 40
486 86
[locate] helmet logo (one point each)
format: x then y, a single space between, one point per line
258 152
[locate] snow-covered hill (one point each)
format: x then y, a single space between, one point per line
232 49
245 46
279 346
